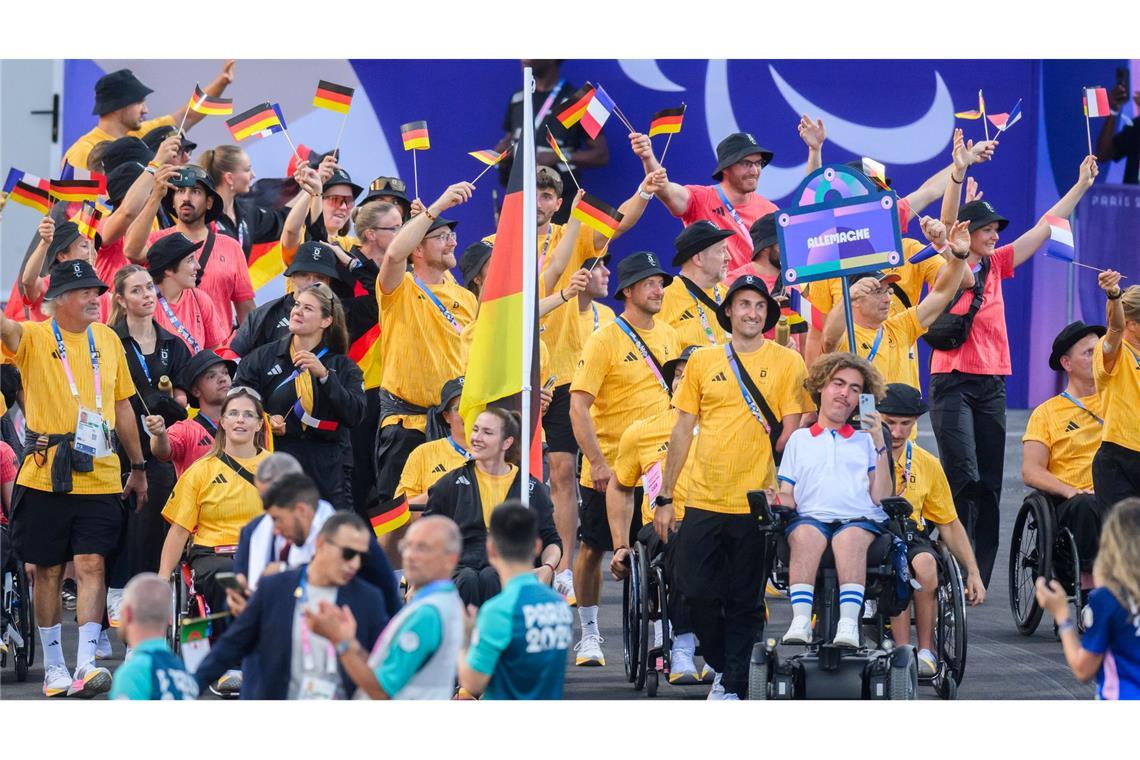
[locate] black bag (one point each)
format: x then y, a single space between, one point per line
950 331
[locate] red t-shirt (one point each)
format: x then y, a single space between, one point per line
189 442
16 303
197 313
986 351
110 259
8 470
705 203
226 278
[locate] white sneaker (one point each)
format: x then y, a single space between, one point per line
103 649
114 603
707 673
927 663
229 685
658 634
846 634
90 680
729 697
682 669
589 650
57 680
564 584
716 693
799 632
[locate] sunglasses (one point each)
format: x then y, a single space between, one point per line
347 554
241 390
387 183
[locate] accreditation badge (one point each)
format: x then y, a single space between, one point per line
92 436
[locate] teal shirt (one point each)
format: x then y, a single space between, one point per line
414 642
520 640
153 672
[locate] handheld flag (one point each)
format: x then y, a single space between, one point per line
14 176
390 515
972 115
87 220
415 135
489 157
597 112
28 190
798 311
667 122
561 156
598 215
333 97
1060 244
203 103
1096 102
78 190
876 171
1004 121
573 107
926 253
261 120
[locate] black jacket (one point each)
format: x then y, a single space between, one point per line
340 399
456 495
265 324
254 224
170 355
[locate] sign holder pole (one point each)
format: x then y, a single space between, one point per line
848 315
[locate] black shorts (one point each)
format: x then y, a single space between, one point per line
393 446
594 522
556 422
49 529
920 544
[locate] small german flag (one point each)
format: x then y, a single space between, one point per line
390 515
574 106
209 105
333 97
87 220
256 120
489 157
557 148
415 135
597 214
28 190
78 190
667 122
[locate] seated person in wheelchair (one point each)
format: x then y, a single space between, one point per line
834 477
470 493
921 481
1061 439
641 458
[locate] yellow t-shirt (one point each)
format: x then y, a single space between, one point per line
427 463
596 316
1071 434
895 355
625 390
643 445
213 502
79 151
560 328
493 489
692 319
824 294
50 407
420 349
1120 395
733 453
925 487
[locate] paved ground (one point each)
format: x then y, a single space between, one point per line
1001 664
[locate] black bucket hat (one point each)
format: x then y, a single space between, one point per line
695 238
73 275
126 150
902 400
154 138
452 390
669 368
66 233
735 147
763 233
120 179
116 90
473 258
636 267
314 257
189 176
388 187
340 177
979 214
198 364
167 251
1068 337
748 282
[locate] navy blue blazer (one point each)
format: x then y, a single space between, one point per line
265 628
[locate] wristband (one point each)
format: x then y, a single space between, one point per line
563 294
644 195
880 451
547 564
1066 625
342 647
429 215
963 257
1119 293
138 466
957 181
661 501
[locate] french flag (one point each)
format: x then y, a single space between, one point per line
598 110
1060 244
1096 102
1004 121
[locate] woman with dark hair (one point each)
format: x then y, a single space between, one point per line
311 406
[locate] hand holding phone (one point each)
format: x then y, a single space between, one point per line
866 410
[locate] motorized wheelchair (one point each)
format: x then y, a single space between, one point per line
1041 547
18 626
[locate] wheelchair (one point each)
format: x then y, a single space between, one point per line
822 670
19 616
1040 547
186 603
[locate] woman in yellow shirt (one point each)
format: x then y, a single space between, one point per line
1116 369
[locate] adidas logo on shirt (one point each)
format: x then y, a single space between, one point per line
462 481
283 322
275 370
685 315
439 468
220 479
720 378
630 357
1072 426
206 441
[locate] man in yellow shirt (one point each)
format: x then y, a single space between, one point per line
747 396
430 461
692 299
120 104
619 380
1116 368
67 504
593 313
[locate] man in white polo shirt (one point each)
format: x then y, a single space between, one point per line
834 477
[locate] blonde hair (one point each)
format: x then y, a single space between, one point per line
827 365
118 313
366 216
1130 300
336 334
1117 565
220 437
217 161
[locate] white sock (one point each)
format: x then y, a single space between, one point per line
850 601
52 641
88 641
589 618
104 640
685 642
802 595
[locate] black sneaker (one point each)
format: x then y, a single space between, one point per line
69 594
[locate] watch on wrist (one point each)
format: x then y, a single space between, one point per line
661 501
962 256
1119 293
343 646
138 466
644 195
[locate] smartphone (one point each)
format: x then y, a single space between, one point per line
1122 78
866 408
229 580
549 382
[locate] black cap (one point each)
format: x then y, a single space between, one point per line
748 282
452 389
126 150
391 187
763 232
473 259
589 263
695 238
902 400
66 233
979 214
1068 337
314 257
189 176
340 177
154 138
636 267
439 224
168 250
116 90
735 147
120 179
669 368
198 364
73 275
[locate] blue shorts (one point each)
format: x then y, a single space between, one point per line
830 529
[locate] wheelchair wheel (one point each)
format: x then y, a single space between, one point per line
661 595
651 682
629 625
1067 558
950 628
640 567
23 619
1030 557
902 674
760 671
948 689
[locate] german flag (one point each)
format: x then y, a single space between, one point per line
28 190
266 263
489 157
390 515
597 214
415 135
78 190
365 351
573 107
667 122
557 148
333 97
207 104
260 118
87 220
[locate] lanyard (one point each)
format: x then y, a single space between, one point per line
545 246
701 313
308 663
297 372
906 468
751 402
594 306
547 104
458 449
62 351
142 362
716 294
740 225
438 304
212 429
644 350
1079 405
875 345
178 326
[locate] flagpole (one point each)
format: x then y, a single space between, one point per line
340 134
985 121
1083 266
529 282
486 169
416 171
669 139
294 147
189 108
1088 129
599 257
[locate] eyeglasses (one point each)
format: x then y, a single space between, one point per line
746 164
241 414
396 228
385 183
241 390
339 200
347 554
447 237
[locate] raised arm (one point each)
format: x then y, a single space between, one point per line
213 89
134 242
560 256
813 134
674 196
30 277
933 188
635 205
311 186
117 224
1109 282
395 261
950 275
1032 240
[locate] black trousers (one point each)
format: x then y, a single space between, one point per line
146 530
680 619
323 462
363 435
1116 473
476 586
1083 515
393 446
720 563
967 413
206 565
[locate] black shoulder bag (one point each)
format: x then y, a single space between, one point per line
204 256
950 331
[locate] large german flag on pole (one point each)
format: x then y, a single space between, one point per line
503 360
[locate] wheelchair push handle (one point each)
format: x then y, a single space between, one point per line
897 508
768 517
